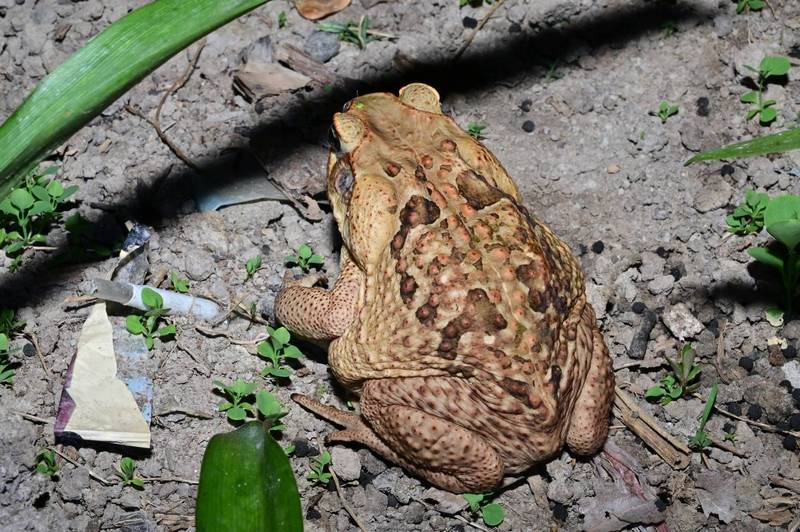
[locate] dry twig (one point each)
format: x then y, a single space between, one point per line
481 24
156 122
35 342
78 464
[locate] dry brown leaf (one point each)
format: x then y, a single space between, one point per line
317 9
774 517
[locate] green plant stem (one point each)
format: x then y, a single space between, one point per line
100 72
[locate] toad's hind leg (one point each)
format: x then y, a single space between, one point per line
589 423
445 454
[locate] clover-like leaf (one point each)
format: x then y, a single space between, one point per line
281 335
493 514
774 65
55 189
291 351
21 199
304 251
749 97
236 413
151 298
134 324
768 115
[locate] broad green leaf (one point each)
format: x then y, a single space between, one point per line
281 372
167 330
291 351
655 391
304 251
281 335
69 191
40 193
55 189
226 405
474 500
149 342
3 342
268 405
749 97
766 256
134 325
6 207
774 65
775 143
151 298
265 350
787 233
15 247
237 413
21 199
316 259
493 514
247 484
39 207
782 208
100 72
768 115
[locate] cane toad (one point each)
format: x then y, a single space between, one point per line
459 317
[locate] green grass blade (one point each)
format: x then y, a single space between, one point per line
776 143
100 72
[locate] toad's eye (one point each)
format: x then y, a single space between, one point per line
333 140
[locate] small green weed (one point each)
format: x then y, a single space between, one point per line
276 351
357 33
730 436
669 28
178 283
475 130
552 72
46 463
666 110
147 325
6 373
8 323
252 265
700 440
320 469
29 211
782 221
282 19
305 258
491 512
771 67
682 381
127 474
748 217
752 5
239 407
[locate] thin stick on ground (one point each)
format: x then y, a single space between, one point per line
35 342
35 419
78 464
470 523
170 479
345 504
156 121
478 28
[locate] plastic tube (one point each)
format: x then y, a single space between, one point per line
130 295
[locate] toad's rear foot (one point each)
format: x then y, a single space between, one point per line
443 453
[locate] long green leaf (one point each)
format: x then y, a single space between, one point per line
775 143
247 484
100 72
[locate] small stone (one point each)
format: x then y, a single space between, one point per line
734 408
754 412
346 463
446 502
702 106
526 105
514 28
787 385
791 370
638 345
790 352
322 45
790 443
715 194
560 512
794 421
598 246
613 169
746 363
638 307
681 322
528 126
302 448
469 22
723 25
726 169
661 284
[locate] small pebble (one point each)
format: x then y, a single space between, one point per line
790 443
734 408
598 247
676 273
469 22
702 106
582 249
638 307
754 412
794 421
526 105
796 395
313 514
560 512
728 427
661 504
528 126
790 352
726 170
713 326
661 252
786 384
746 363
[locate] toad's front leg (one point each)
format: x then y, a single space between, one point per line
318 314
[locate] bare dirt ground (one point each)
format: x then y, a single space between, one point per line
566 89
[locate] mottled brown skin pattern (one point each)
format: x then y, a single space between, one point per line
460 318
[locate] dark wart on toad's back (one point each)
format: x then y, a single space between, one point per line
459 317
